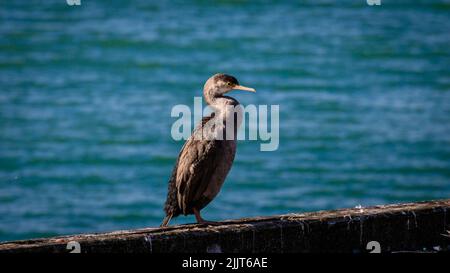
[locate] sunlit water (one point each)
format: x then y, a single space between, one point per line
86 94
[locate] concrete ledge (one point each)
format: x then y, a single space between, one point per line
417 227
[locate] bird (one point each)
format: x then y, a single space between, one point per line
208 154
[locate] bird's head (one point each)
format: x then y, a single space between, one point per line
220 84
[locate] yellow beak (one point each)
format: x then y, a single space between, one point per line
240 87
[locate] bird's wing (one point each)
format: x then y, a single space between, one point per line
196 164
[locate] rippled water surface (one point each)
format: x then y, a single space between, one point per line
86 94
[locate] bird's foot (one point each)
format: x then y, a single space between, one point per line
208 223
202 221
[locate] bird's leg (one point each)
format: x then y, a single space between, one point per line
198 217
200 220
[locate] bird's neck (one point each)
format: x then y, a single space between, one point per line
225 109
220 103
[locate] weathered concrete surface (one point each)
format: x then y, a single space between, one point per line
419 226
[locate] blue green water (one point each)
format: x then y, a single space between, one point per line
86 94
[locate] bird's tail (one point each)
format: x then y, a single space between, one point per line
166 220
171 206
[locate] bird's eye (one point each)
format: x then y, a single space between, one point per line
229 83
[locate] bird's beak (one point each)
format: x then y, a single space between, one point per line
240 87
